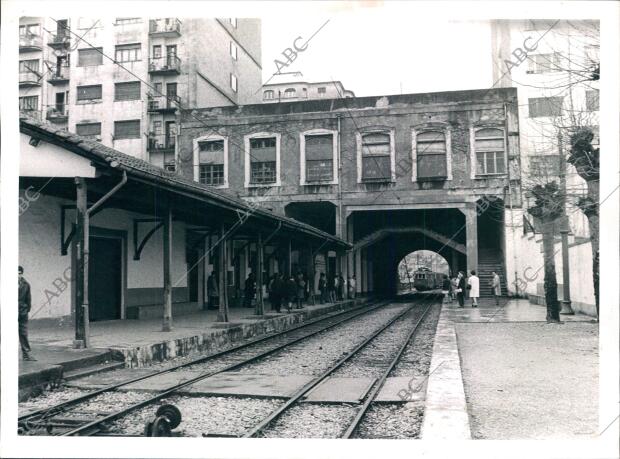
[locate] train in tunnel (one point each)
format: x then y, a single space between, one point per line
424 279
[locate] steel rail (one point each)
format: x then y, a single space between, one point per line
92 428
61 407
379 384
256 430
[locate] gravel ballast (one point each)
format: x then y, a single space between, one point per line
312 421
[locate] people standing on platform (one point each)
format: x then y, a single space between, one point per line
352 285
301 290
331 288
341 287
275 292
290 292
24 302
496 285
250 290
473 285
323 288
213 291
454 285
445 287
460 289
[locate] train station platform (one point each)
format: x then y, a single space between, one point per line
503 372
140 343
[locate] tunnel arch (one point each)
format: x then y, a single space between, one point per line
415 260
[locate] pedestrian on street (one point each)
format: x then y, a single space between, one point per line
473 284
301 290
352 287
445 287
496 286
290 295
250 290
331 288
323 288
24 301
341 287
275 292
213 291
460 289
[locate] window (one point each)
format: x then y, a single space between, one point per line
319 155
127 129
545 106
544 166
89 92
120 21
29 30
489 149
157 127
233 50
211 162
431 155
592 100
127 91
29 103
156 51
543 63
233 82
212 174
233 22
90 56
289 93
29 66
89 130
268 95
128 53
263 160
376 156
321 91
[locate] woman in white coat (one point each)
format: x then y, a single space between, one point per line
474 288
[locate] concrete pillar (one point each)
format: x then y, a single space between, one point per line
358 271
222 315
167 319
81 265
364 257
471 228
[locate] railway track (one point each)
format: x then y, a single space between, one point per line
61 419
260 429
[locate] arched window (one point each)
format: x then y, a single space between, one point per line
289 93
268 95
431 155
489 148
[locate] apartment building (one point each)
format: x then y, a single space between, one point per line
124 82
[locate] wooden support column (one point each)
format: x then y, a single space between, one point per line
167 319
311 274
81 265
222 315
260 310
351 253
471 227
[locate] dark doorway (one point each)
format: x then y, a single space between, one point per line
104 278
193 259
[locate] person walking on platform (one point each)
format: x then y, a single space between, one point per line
454 285
341 287
445 287
290 293
460 289
275 292
331 288
496 286
24 301
473 285
250 290
323 288
213 291
301 290
352 285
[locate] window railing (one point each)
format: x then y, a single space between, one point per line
60 73
60 39
57 112
163 102
30 41
164 25
161 142
164 63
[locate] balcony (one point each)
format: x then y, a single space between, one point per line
57 113
163 104
161 143
60 76
29 79
30 42
168 65
59 41
165 27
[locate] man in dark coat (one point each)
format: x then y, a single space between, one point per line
250 290
275 292
460 289
25 303
213 291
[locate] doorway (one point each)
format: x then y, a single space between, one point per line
105 278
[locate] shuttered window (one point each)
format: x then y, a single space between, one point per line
127 129
89 92
88 129
431 155
90 56
319 158
489 148
263 160
29 103
128 53
545 106
376 157
127 91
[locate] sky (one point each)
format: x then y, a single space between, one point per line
378 50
